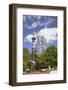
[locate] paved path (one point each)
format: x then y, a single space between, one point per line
53 72
39 72
42 72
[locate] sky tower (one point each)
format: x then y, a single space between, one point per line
34 49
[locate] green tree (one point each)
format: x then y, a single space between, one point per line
43 60
51 58
26 58
47 58
26 54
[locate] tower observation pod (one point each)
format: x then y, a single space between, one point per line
34 49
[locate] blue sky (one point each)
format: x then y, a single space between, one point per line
45 25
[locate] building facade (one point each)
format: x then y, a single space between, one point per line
41 44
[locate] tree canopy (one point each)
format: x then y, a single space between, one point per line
47 58
26 58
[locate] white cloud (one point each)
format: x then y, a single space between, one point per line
39 17
38 23
29 38
49 21
49 34
34 24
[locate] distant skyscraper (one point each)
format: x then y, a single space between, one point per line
41 44
38 43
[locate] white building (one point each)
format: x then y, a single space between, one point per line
41 44
38 43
